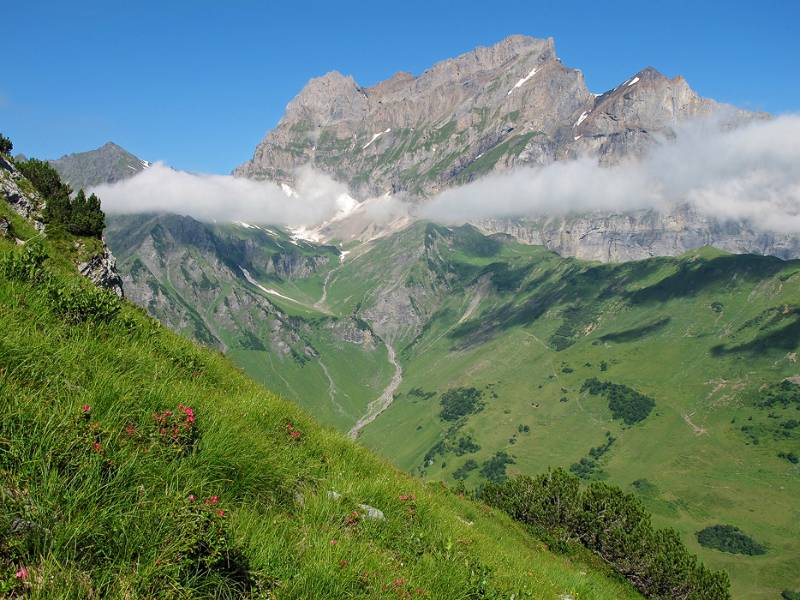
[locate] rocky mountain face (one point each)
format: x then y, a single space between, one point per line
106 164
490 110
619 237
511 104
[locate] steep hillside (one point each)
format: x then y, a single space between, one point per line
134 464
253 292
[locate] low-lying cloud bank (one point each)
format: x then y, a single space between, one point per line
224 198
750 173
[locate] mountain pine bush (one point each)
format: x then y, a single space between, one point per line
615 526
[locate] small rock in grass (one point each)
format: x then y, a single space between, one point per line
372 513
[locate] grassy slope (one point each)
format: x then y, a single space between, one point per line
698 477
203 249
110 531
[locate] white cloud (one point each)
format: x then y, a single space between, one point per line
750 173
223 197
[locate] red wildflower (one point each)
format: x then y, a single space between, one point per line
334 542
22 573
220 513
191 497
295 434
130 429
213 500
289 427
97 446
86 408
398 582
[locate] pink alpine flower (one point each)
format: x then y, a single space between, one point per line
86 408
22 573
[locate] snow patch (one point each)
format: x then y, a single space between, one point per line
250 279
580 120
343 255
522 81
306 234
632 81
288 190
246 225
375 137
577 137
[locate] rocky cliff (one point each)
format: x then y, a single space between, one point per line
490 109
618 237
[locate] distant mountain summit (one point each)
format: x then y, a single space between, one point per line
490 109
106 164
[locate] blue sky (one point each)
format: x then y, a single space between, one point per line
198 84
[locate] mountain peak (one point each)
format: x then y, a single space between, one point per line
106 164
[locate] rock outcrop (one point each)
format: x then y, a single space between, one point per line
101 269
19 194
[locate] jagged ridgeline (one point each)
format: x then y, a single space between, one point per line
136 464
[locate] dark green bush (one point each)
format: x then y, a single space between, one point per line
5 144
459 402
728 538
494 469
463 471
25 264
77 304
624 402
615 526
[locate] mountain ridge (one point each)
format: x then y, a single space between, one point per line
440 124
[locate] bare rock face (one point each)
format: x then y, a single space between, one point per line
101 269
22 199
487 110
642 234
418 134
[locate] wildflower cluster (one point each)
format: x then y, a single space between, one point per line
92 436
176 429
204 545
410 500
403 589
352 519
294 433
